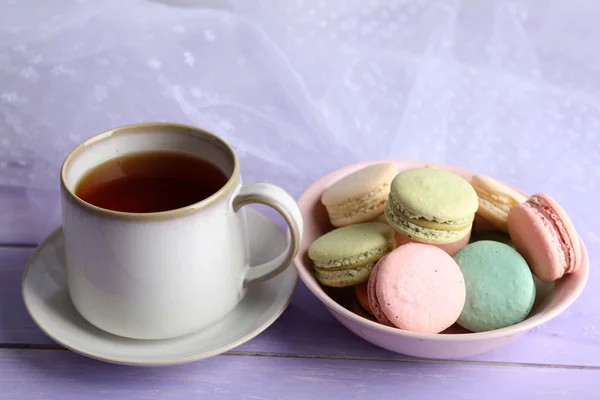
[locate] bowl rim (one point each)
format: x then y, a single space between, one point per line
581 275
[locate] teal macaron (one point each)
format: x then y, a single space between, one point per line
500 286
346 256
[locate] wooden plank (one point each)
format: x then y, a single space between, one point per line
306 328
49 374
27 216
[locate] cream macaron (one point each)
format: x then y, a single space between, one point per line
360 196
495 200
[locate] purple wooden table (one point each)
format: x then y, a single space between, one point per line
306 354
301 87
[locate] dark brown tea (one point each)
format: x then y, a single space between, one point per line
150 182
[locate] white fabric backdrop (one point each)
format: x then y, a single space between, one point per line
508 88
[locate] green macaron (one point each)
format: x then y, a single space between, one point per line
346 256
431 205
500 286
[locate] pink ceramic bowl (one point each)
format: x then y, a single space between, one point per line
552 299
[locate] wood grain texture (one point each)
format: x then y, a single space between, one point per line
306 328
27 216
55 374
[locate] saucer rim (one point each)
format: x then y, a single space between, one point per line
167 361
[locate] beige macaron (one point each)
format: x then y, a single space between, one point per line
495 200
359 196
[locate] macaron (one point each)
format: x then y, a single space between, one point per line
346 256
361 295
495 200
373 301
356 308
359 196
417 287
432 206
499 283
494 235
544 234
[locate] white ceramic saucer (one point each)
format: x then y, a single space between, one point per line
47 300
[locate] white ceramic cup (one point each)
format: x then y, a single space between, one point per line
165 274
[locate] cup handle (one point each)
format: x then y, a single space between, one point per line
279 199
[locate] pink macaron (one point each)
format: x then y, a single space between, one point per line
543 233
372 296
417 287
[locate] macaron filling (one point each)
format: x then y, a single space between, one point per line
491 196
405 224
365 203
407 214
370 256
551 218
344 277
403 213
502 203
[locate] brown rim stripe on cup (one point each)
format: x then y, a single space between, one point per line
232 182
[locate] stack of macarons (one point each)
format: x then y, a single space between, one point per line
404 242
432 206
360 196
346 256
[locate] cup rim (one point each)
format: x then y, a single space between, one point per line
231 183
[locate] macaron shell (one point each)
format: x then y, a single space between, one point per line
355 212
352 243
495 217
359 183
494 186
434 194
421 234
570 228
537 240
420 288
539 245
373 300
500 287
495 200
362 296
360 196
344 278
449 248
